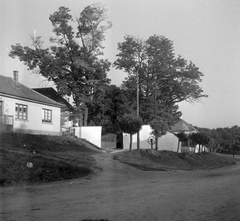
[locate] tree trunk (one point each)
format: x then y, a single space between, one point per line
178 146
80 122
151 144
138 141
199 148
130 144
156 142
85 116
138 108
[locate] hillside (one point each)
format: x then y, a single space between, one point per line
29 159
33 159
168 160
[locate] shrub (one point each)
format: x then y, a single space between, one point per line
131 125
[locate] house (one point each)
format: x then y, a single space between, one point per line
183 126
66 110
169 141
77 120
187 129
24 110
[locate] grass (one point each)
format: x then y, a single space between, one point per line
169 160
54 158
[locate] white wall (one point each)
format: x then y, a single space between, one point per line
33 124
144 134
91 133
166 142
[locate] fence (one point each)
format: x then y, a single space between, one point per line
70 131
109 141
6 120
6 123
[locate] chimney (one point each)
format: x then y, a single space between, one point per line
15 75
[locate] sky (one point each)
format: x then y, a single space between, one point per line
206 32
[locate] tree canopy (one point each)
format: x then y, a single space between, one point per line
182 137
72 62
202 139
162 76
160 126
106 107
75 64
223 137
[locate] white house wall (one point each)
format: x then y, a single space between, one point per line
90 133
166 142
33 124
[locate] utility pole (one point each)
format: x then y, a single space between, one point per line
232 144
155 100
138 138
155 110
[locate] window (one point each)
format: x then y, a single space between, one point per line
21 111
46 115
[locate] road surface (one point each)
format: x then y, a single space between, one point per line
120 192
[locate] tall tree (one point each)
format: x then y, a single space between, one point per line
72 62
106 107
164 79
132 60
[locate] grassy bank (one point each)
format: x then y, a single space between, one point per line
31 159
168 160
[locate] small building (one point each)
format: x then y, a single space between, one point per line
66 110
23 110
183 127
169 141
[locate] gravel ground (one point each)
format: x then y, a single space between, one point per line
120 192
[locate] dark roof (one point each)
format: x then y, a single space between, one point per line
11 88
182 125
52 94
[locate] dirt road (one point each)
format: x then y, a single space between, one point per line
120 192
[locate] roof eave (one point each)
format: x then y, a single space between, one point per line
31 100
